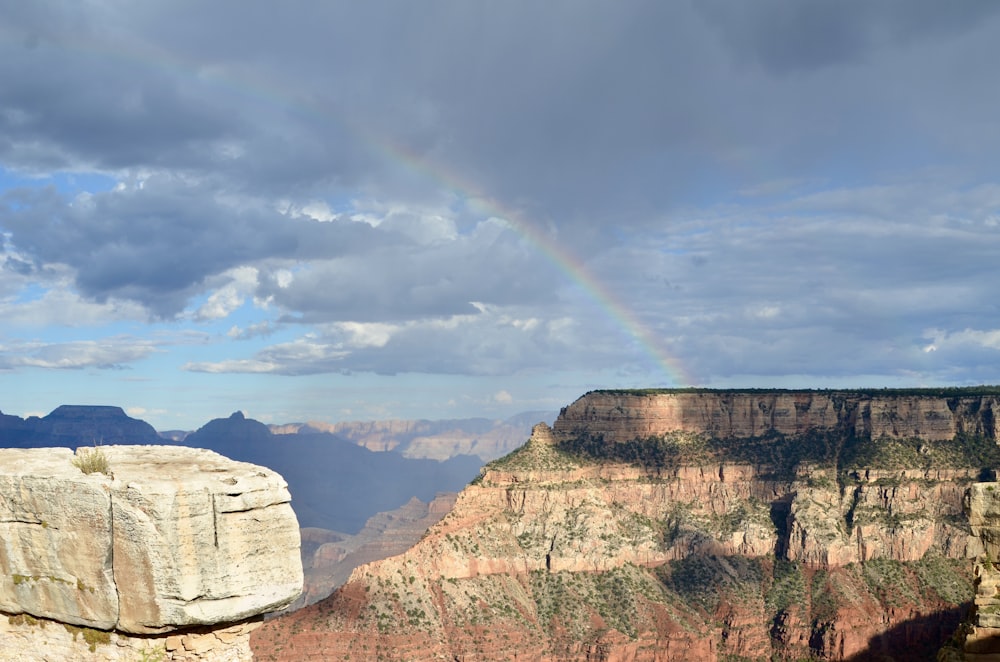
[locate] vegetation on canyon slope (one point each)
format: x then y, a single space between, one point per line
602 560
780 455
756 609
707 590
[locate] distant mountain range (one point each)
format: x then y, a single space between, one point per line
436 440
336 478
76 425
335 484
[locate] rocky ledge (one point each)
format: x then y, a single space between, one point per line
160 552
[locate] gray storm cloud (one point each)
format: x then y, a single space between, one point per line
769 188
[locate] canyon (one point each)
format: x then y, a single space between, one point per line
362 490
440 440
691 525
328 557
336 484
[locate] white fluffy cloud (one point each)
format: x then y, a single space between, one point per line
106 353
242 281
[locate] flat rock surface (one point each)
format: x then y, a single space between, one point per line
170 537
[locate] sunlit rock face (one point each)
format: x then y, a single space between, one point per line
160 540
623 415
978 638
687 526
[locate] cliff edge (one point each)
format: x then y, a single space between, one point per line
977 638
932 414
159 552
649 526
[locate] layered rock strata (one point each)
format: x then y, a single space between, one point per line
627 415
978 638
160 550
782 525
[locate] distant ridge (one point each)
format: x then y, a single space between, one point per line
76 425
336 482
434 439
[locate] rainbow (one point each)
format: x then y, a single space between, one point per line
570 265
287 100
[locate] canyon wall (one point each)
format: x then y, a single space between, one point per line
687 526
977 639
627 415
140 552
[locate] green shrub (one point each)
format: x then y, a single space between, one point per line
705 580
91 460
788 590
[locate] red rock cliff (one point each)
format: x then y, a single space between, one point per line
624 415
559 556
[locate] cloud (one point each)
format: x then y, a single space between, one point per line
62 306
228 298
788 37
503 397
494 342
245 366
141 412
631 104
989 339
220 304
108 353
261 329
168 241
760 288
402 280
749 189
158 244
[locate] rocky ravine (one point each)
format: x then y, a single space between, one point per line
328 557
167 554
687 526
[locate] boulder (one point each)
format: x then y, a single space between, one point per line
169 538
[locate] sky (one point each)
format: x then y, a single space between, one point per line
393 209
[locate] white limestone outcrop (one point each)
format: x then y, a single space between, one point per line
171 539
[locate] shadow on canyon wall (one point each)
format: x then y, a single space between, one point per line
915 640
